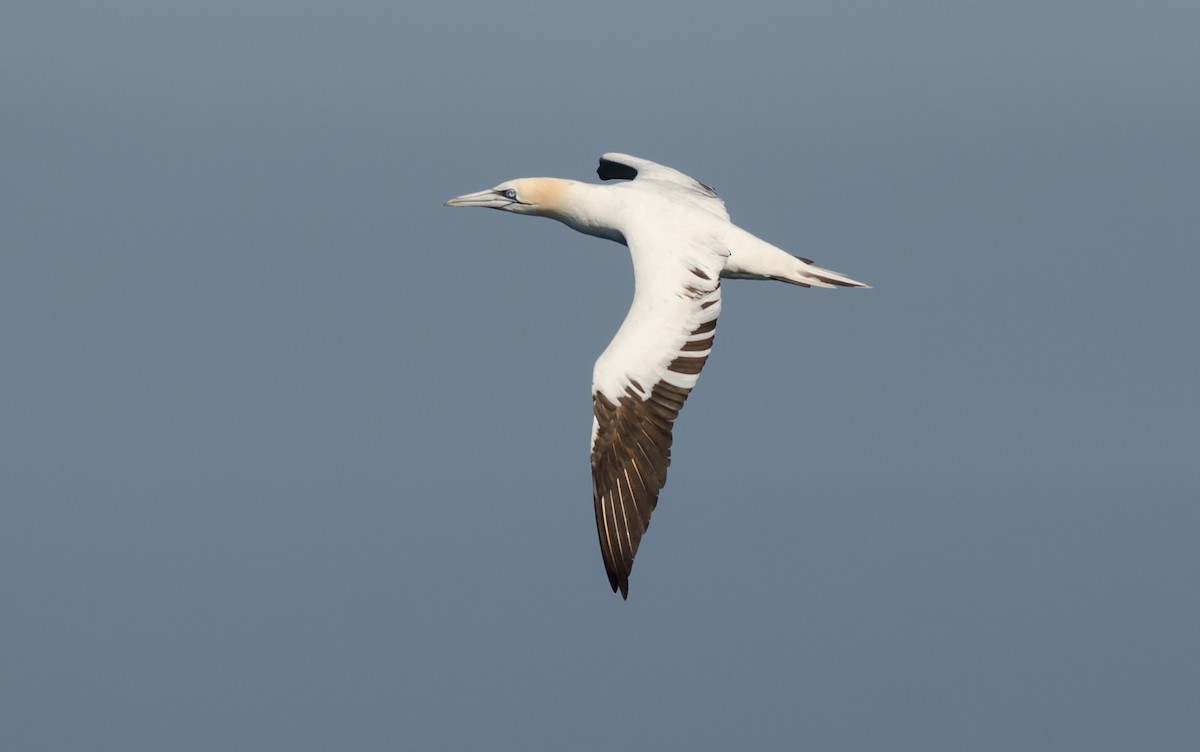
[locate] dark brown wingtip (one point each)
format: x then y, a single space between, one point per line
618 583
609 170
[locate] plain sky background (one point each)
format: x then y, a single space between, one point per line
294 458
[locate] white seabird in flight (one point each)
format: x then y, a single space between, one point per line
682 243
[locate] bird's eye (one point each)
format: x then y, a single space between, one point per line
510 194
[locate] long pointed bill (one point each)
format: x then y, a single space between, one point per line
489 198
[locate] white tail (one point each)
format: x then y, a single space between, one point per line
753 258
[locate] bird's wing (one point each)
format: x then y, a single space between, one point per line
616 166
640 383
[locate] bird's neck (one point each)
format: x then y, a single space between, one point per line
591 209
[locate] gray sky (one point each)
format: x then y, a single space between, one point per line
294 458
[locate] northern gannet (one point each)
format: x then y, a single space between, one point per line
682 243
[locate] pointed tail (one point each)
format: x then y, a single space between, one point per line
754 258
808 274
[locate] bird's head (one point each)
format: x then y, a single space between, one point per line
537 196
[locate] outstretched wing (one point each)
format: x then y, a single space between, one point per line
617 166
639 386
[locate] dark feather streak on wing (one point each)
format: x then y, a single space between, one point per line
630 457
609 170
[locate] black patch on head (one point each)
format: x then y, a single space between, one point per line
609 170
